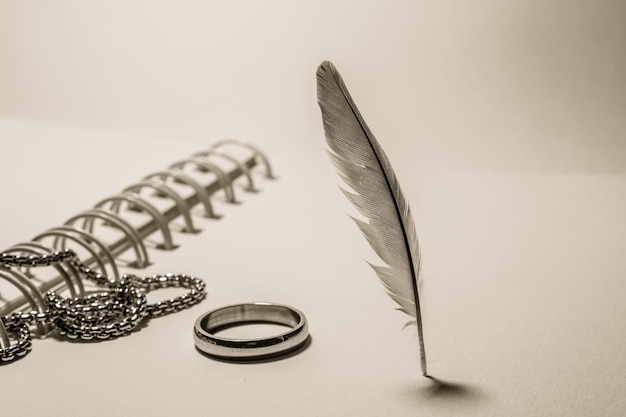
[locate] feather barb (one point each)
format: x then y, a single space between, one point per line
364 167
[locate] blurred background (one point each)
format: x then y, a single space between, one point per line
485 85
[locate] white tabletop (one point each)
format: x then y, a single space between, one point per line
505 127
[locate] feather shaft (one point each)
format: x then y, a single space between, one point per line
362 164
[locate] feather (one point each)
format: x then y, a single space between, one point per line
362 164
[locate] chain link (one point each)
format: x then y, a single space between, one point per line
110 313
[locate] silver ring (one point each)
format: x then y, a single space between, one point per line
272 346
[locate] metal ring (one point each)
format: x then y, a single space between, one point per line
59 243
100 262
30 292
112 219
257 153
205 165
259 348
180 176
242 166
161 187
158 217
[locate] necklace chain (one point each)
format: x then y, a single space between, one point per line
116 311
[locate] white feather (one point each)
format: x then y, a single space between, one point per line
363 165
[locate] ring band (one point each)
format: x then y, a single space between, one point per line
221 318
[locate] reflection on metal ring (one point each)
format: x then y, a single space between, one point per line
257 348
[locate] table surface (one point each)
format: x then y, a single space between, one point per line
504 125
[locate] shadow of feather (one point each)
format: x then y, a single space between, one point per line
451 391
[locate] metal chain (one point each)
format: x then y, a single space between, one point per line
111 313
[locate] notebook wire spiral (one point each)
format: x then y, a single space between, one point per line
120 224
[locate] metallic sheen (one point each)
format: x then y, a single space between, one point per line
208 342
115 311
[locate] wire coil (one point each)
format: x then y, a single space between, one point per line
150 205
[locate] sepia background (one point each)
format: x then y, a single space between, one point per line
505 124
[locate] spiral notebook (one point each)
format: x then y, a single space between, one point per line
119 229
